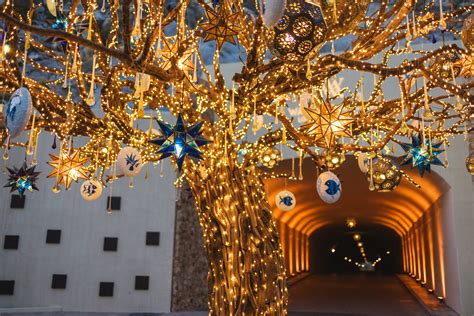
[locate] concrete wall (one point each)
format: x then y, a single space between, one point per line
149 206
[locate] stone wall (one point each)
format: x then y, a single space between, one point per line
189 285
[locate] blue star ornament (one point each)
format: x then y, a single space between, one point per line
180 140
420 155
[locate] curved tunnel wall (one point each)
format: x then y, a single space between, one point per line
420 217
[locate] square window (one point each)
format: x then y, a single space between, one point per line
110 243
11 242
53 236
106 289
59 281
17 201
7 287
142 282
153 238
114 202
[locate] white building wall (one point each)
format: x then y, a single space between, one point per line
149 206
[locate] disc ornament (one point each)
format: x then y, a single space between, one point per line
91 190
129 161
328 186
18 112
285 201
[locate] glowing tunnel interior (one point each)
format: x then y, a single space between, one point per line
418 216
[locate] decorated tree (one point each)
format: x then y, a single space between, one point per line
99 68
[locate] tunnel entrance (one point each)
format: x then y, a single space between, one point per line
366 248
406 231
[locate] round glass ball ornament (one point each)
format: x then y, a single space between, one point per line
129 161
329 188
300 31
285 201
270 157
385 175
470 164
18 112
91 190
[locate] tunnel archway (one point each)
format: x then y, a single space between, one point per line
417 223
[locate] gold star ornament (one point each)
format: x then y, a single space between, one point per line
68 167
170 51
326 122
221 25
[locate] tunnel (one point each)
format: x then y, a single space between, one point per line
407 231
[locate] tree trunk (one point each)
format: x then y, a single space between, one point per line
246 273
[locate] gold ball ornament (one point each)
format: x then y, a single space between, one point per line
470 164
467 33
385 175
300 31
334 159
270 157
445 65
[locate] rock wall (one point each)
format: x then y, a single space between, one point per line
189 285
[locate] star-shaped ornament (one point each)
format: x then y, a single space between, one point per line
420 155
68 167
170 50
23 179
221 25
180 140
327 121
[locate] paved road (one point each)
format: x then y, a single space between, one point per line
352 295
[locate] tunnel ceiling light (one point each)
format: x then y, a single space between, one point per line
333 250
356 237
360 244
351 222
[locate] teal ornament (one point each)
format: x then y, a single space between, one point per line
18 112
419 154
328 186
22 179
180 140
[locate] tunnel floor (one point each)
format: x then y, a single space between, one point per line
358 294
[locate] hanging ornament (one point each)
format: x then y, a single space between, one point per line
333 159
18 112
300 31
329 187
363 161
270 157
68 167
22 179
51 5
91 190
272 11
466 63
327 121
385 175
467 34
422 155
285 201
470 164
129 161
446 64
180 140
221 25
169 52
